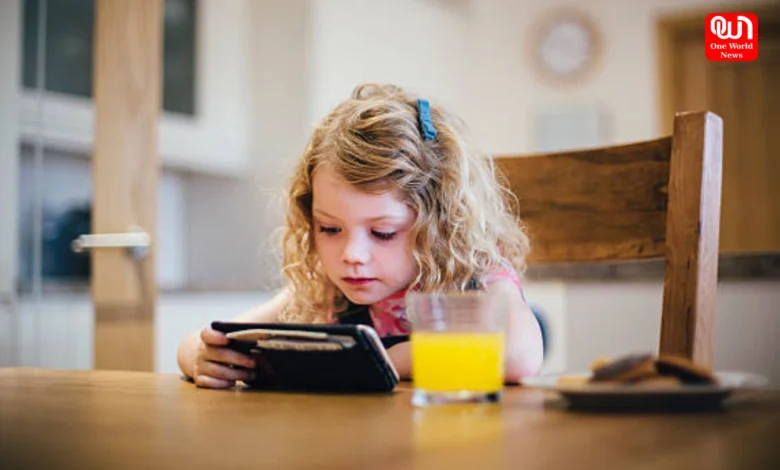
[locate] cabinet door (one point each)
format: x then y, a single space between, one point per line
70 41
204 110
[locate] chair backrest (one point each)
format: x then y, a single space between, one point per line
651 199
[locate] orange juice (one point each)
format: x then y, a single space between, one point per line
449 362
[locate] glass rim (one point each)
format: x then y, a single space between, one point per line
456 294
473 311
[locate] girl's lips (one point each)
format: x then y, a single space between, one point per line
358 281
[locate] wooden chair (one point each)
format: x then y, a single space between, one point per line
651 199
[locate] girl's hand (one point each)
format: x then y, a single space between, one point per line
217 366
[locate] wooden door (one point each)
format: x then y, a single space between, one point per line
747 96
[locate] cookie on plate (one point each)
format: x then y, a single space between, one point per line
658 381
599 363
625 369
684 369
572 380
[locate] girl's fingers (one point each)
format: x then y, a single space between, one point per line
223 372
228 356
205 381
213 337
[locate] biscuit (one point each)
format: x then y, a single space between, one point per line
658 381
599 363
684 369
625 369
569 380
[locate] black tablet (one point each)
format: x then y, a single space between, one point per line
328 358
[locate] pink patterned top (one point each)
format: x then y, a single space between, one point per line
389 315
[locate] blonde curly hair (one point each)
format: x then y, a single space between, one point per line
464 228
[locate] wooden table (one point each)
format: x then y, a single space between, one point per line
100 419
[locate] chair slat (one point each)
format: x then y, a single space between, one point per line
599 204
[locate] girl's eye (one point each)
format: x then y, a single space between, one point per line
324 229
385 236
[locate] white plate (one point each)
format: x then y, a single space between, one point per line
609 396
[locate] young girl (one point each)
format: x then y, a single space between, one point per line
389 196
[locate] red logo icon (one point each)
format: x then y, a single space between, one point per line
731 37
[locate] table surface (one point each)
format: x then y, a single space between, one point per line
114 419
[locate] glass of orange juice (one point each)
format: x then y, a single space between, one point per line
458 347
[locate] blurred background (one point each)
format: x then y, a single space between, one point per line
243 82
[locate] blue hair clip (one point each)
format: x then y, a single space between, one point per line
424 111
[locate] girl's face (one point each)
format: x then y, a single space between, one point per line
362 239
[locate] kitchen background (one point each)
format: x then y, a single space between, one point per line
244 81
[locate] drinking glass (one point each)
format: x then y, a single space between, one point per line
458 344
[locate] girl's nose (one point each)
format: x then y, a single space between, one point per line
356 251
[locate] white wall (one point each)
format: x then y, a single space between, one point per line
232 220
747 324
606 319
470 55
415 43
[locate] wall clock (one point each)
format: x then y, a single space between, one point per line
565 46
